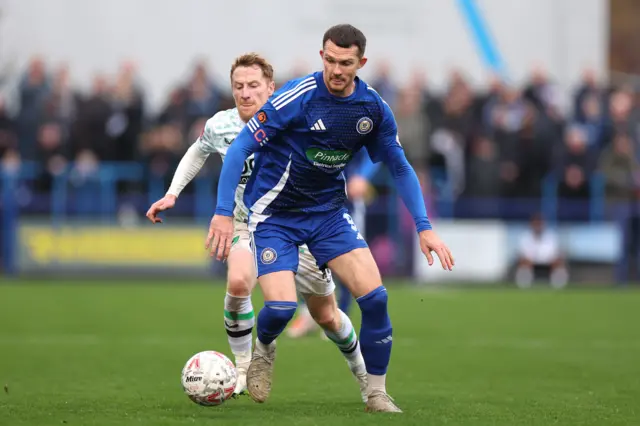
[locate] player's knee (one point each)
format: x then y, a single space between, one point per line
280 312
374 301
239 284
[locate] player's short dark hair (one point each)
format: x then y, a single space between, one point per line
253 59
345 36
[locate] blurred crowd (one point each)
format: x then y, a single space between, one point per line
500 142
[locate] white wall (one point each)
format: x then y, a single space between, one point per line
166 35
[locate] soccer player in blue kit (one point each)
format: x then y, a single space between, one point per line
303 138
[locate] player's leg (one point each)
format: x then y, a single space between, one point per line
276 260
559 274
303 323
339 244
239 318
524 273
360 273
359 219
339 329
318 289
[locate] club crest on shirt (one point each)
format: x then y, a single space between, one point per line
364 125
268 256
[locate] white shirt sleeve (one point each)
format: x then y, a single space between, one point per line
189 166
197 154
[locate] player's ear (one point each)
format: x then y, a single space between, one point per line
321 54
361 62
272 87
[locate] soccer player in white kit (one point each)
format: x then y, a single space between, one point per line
252 84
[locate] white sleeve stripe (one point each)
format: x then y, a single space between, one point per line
294 89
251 126
254 122
297 95
279 102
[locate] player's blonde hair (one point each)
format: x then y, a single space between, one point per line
253 59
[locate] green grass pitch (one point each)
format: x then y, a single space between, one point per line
107 353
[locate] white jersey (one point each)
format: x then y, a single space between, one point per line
218 134
541 249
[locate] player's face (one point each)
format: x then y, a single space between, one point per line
340 67
251 89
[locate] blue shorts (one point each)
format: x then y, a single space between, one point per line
276 239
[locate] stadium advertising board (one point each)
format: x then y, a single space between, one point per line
480 251
89 246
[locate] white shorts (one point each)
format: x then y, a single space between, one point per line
310 280
241 237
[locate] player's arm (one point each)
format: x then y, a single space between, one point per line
242 147
358 182
262 127
187 169
386 147
221 227
366 168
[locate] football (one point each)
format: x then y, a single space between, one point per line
209 378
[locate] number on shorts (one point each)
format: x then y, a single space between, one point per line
349 219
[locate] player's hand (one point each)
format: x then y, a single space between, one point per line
429 241
220 236
357 188
165 203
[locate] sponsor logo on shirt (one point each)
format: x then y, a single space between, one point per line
330 159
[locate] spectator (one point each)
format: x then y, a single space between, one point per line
127 111
593 119
620 119
51 154
589 88
203 96
91 126
62 102
539 254
34 90
621 169
483 172
175 111
8 136
575 166
414 127
382 82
